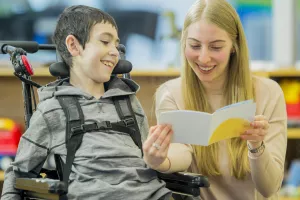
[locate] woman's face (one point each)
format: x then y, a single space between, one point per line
207 51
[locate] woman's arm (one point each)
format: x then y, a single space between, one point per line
179 156
179 159
267 168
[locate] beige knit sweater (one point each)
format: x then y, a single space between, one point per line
267 169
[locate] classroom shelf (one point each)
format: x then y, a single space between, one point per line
293 133
172 72
1 175
9 72
288 72
44 72
290 198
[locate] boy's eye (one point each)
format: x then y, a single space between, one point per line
105 42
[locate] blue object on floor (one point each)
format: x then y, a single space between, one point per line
294 174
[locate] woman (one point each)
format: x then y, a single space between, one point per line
216 73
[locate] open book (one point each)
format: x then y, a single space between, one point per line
201 128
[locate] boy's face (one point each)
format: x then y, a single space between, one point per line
100 55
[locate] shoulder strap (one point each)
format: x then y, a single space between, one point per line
75 127
126 114
74 118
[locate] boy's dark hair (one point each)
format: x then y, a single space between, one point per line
78 21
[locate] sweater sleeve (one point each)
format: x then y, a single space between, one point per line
164 101
180 155
267 169
31 154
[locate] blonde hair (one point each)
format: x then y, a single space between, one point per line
237 88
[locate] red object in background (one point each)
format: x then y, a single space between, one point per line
10 134
291 91
27 65
293 110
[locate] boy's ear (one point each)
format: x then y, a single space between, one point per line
73 45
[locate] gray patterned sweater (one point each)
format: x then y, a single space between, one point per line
107 165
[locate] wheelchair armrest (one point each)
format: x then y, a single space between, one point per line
183 182
179 182
41 187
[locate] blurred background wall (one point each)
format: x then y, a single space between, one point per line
150 29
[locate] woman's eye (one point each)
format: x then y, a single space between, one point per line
216 48
195 46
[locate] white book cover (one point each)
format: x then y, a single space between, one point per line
201 128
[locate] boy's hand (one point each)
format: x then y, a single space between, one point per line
256 134
157 145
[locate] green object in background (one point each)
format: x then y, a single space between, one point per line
245 7
298 8
267 3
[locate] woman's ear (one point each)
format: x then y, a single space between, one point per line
232 51
233 48
73 45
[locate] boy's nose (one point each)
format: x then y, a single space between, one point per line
114 52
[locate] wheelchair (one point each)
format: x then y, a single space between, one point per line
51 186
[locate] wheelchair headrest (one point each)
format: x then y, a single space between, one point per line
60 69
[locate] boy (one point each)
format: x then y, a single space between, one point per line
108 164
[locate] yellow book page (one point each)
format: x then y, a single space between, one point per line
230 128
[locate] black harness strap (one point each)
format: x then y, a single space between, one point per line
126 114
76 127
74 118
105 125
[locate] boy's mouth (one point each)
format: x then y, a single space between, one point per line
107 63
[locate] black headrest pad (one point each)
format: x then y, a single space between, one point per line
60 69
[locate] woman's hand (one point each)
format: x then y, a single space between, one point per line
257 132
157 144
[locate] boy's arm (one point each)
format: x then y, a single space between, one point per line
31 154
